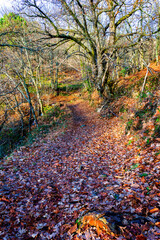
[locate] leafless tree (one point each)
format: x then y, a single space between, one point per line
97 27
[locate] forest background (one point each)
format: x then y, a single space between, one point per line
51 48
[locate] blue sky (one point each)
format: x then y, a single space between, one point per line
5 5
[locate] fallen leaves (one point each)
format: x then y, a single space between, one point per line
98 222
153 210
157 224
141 237
4 199
47 187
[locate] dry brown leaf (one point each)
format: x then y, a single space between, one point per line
73 229
141 237
157 224
93 221
153 210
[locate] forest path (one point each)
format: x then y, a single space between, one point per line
47 186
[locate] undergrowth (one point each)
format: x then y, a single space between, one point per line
127 88
11 138
139 112
54 117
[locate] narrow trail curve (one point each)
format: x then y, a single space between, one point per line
47 186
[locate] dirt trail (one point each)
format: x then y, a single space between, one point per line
46 187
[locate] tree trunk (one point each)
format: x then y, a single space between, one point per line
141 57
56 88
157 49
158 36
106 83
112 26
51 70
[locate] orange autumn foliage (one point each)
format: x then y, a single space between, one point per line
93 221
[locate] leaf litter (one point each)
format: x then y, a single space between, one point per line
87 183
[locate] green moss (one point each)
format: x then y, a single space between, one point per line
129 124
70 87
123 109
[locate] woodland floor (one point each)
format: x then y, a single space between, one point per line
89 166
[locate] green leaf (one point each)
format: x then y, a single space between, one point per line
148 190
143 174
78 223
116 196
148 141
103 175
157 153
130 141
134 166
